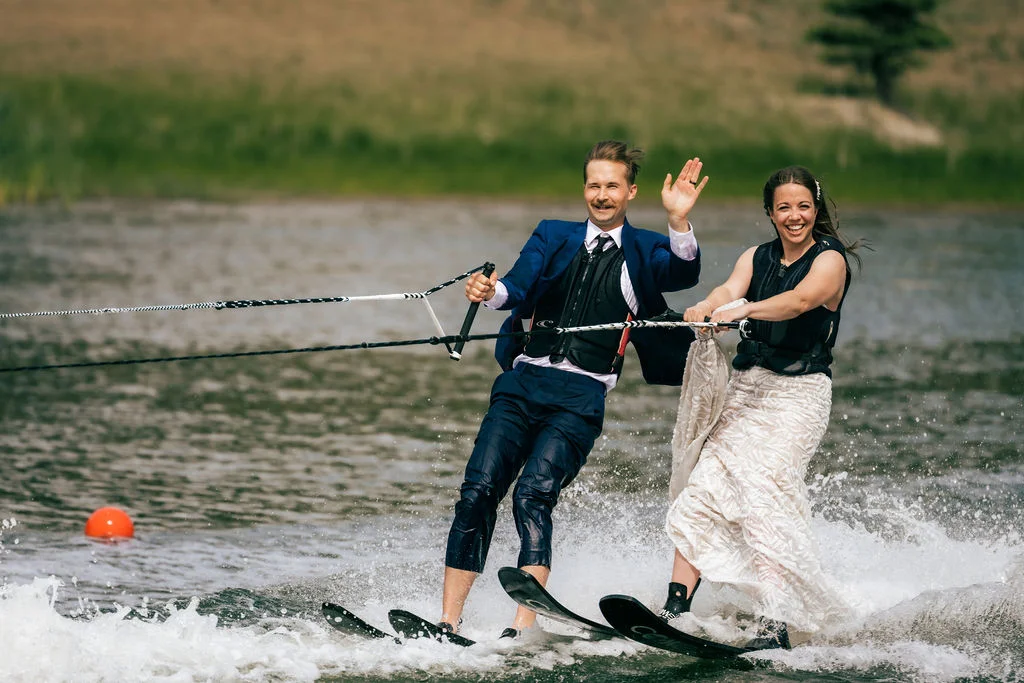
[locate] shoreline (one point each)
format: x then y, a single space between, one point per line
75 138
719 203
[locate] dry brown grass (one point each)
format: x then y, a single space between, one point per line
716 58
735 45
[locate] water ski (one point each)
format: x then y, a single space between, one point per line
347 622
411 626
632 619
525 590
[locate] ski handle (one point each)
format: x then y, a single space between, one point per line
456 352
742 325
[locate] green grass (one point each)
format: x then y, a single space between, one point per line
73 137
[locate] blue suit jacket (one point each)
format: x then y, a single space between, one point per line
652 267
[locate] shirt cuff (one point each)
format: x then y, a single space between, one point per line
684 244
500 296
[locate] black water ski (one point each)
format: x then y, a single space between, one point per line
347 622
635 621
411 626
525 590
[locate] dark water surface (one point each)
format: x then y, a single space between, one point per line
261 486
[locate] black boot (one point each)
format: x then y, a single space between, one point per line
771 634
447 629
678 601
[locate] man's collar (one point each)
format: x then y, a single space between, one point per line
593 231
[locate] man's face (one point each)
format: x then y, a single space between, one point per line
607 192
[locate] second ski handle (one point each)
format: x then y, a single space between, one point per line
456 352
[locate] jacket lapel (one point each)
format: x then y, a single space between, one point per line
564 253
633 265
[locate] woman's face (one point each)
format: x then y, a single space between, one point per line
793 213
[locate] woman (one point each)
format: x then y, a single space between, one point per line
743 517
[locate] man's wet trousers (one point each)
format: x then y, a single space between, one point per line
544 422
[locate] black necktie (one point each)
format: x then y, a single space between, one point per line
602 242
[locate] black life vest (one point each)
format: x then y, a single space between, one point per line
589 292
800 346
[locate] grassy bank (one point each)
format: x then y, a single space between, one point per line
73 137
344 99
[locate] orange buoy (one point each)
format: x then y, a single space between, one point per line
109 523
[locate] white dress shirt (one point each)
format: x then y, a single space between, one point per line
683 245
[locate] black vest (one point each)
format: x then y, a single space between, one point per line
589 292
800 346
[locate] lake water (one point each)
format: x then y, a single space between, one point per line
262 486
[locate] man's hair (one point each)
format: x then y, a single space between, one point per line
614 150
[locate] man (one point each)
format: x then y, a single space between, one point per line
547 407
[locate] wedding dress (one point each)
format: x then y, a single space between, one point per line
740 511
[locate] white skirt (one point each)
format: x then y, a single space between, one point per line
743 518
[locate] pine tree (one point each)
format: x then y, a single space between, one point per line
879 38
